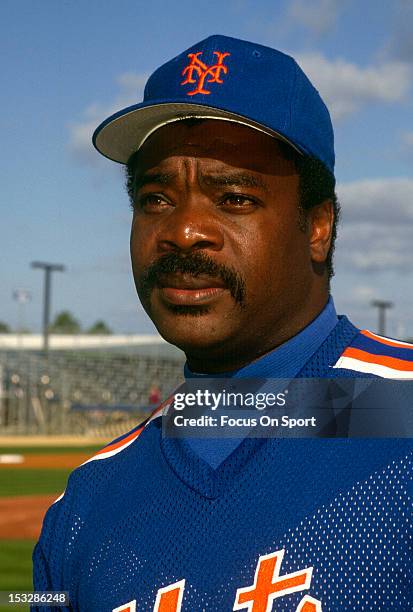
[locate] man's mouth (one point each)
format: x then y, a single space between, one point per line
188 290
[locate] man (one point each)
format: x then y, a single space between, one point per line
230 165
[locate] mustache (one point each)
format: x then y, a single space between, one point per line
194 264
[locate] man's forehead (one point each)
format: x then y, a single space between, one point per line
223 143
207 133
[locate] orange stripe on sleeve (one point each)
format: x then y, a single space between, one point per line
134 434
390 362
128 438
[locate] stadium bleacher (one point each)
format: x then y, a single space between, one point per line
77 391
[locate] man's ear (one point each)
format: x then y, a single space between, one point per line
320 221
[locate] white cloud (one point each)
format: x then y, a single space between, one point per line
387 200
318 15
130 92
346 87
377 226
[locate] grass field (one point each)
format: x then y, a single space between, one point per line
15 568
15 555
32 482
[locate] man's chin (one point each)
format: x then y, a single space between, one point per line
194 326
195 329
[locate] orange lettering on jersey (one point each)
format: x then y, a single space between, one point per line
309 604
197 69
169 598
128 607
269 585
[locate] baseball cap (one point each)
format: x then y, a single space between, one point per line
229 79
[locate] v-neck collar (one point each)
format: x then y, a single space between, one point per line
199 476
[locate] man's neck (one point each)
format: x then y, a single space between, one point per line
225 361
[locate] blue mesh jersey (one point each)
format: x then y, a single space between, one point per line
304 525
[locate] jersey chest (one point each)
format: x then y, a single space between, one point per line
270 541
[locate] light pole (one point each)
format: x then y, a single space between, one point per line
382 305
48 269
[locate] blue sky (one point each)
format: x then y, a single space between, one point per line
66 65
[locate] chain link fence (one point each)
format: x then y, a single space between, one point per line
94 393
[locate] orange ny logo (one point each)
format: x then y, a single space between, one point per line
196 69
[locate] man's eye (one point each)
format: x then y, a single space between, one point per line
237 201
151 202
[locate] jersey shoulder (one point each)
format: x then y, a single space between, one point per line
110 453
376 355
71 519
122 442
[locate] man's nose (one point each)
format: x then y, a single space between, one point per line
191 226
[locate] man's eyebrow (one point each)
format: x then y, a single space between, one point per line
233 179
159 178
238 179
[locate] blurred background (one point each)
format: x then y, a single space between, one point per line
65 66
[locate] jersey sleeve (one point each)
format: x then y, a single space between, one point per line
42 578
50 571
59 554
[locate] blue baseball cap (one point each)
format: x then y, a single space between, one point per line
229 79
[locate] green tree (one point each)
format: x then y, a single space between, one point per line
65 323
99 327
4 328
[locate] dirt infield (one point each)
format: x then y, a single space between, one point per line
21 517
63 460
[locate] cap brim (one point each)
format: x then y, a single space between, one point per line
124 132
